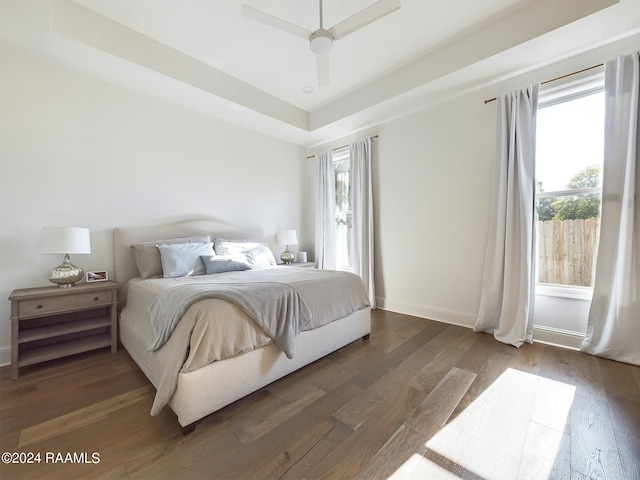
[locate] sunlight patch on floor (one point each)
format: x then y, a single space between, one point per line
514 429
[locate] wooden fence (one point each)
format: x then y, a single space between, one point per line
567 250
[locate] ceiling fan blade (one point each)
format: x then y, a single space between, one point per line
322 64
364 17
275 22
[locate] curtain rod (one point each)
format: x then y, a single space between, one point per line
554 79
342 146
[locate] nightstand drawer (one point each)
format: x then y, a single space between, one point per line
66 303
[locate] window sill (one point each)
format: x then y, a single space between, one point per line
565 291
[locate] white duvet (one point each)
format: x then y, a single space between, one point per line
214 329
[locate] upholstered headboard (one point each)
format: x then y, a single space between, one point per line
124 263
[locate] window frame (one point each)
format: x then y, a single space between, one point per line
567 89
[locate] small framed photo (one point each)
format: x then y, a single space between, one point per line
97 276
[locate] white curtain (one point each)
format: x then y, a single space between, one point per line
613 327
362 208
325 247
506 305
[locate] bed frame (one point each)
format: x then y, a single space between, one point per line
208 389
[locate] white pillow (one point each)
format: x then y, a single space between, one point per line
224 246
260 257
183 259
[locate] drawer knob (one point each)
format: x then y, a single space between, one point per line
38 306
95 299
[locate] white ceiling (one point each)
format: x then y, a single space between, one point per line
205 55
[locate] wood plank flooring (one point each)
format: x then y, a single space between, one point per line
420 399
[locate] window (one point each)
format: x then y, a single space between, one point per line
344 217
569 154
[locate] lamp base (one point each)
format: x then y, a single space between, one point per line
67 274
287 256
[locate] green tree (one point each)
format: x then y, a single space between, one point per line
583 206
587 178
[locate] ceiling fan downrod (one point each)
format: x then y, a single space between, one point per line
321 41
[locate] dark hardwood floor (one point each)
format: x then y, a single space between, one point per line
419 400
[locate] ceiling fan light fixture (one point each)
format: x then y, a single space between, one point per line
321 41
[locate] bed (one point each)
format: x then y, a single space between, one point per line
191 375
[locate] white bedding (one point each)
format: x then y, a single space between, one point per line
215 329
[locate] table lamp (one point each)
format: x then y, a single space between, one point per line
65 240
287 237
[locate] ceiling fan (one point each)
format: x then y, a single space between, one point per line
321 41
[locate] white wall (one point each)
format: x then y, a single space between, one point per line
432 175
77 151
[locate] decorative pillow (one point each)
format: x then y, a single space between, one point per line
224 246
183 259
223 263
260 257
147 255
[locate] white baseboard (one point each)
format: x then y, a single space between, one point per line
542 334
5 355
558 337
453 317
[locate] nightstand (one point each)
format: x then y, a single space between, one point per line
52 322
299 264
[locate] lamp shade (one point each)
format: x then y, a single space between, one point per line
65 240
287 237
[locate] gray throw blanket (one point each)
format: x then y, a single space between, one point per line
276 307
